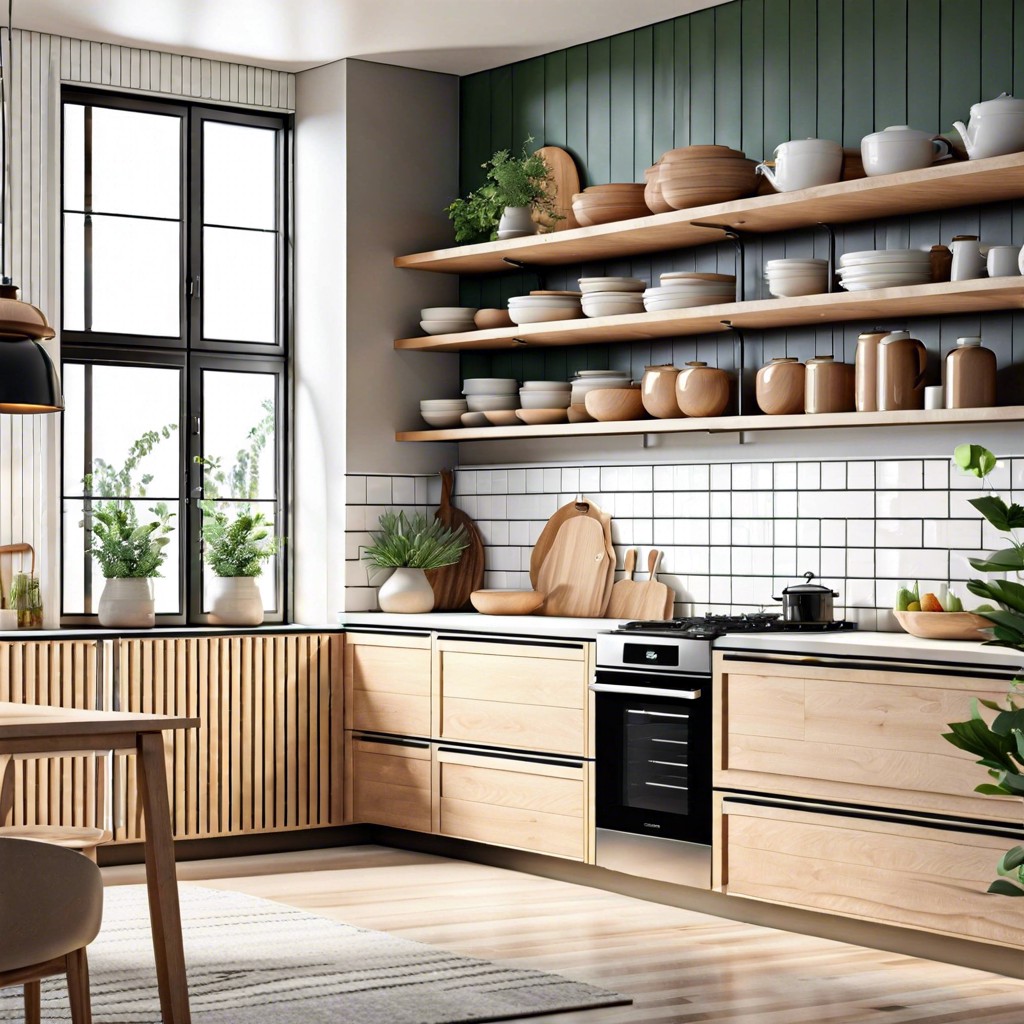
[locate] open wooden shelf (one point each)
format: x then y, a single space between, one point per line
724 424
942 186
976 296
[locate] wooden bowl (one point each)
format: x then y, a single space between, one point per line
491 319
502 417
577 413
613 404
506 602
542 417
945 625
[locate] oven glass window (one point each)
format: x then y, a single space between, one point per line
655 757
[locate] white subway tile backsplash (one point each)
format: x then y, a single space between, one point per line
721 476
952 533
833 476
897 533
355 490
808 532
900 474
912 563
785 476
808 476
785 504
378 490
692 478
833 532
936 474
911 504
860 476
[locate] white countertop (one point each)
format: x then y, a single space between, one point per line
549 626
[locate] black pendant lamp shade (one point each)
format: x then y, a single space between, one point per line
28 380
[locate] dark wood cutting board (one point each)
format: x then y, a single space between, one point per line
452 584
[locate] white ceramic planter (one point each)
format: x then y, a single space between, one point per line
406 590
235 601
128 603
517 221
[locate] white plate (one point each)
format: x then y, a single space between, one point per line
611 284
866 285
542 316
851 259
794 264
602 373
657 305
697 275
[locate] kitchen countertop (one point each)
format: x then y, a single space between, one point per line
519 626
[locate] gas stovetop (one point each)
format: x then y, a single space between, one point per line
708 627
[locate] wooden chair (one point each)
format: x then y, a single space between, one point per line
51 905
82 838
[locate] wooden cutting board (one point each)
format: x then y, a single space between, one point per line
564 183
580 507
622 591
648 600
452 584
575 572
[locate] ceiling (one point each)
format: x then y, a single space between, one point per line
454 36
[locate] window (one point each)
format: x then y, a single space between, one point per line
174 333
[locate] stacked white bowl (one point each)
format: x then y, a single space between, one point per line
612 296
443 412
794 276
447 319
545 394
884 268
683 289
491 394
540 307
589 380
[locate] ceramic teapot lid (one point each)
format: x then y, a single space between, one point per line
809 587
899 133
1004 103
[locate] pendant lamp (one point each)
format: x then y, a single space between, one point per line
28 380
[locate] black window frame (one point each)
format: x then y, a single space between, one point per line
190 351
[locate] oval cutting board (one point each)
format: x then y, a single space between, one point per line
564 183
452 584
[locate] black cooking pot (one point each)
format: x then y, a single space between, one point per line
807 602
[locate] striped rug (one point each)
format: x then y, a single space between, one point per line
251 961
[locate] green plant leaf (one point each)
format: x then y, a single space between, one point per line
974 459
1001 887
1011 860
1007 560
990 790
1002 516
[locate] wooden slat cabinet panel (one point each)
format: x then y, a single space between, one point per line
69 791
268 754
523 804
907 873
390 782
862 735
529 697
388 684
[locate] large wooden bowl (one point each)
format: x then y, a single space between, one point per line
945 625
611 404
506 602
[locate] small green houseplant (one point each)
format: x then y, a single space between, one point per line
999 744
503 206
235 547
410 545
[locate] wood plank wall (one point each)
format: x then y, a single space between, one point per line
751 74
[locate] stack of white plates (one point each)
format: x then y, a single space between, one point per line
884 268
612 296
545 394
490 394
443 412
447 319
611 284
682 290
796 276
536 309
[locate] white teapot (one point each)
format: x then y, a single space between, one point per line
996 127
804 163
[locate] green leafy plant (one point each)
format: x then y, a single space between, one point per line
126 548
511 181
999 744
107 481
414 542
236 546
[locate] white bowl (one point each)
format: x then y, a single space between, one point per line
612 303
545 399
490 386
611 284
663 304
443 404
794 263
442 419
789 287
448 313
545 385
447 326
521 315
489 403
582 374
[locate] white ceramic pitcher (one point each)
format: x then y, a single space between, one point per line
804 163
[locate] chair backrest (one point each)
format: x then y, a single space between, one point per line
51 902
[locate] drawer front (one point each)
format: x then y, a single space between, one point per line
513 803
390 784
839 730
895 872
388 688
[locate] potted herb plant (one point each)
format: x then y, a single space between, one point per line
130 554
236 548
409 545
504 205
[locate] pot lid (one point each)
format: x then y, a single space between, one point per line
813 144
809 587
1004 103
900 133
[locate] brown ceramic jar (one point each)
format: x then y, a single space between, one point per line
828 386
779 386
658 390
969 375
865 365
902 362
702 390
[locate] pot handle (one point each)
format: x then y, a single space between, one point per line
943 150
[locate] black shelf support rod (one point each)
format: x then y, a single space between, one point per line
736 237
738 340
530 268
831 234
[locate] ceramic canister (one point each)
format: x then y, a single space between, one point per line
828 386
969 375
902 361
866 370
658 392
779 386
702 390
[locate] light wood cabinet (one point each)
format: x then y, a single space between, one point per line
388 683
389 782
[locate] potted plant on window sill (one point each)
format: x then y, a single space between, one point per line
130 554
410 545
236 548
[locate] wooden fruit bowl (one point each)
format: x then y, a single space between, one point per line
506 602
612 404
945 625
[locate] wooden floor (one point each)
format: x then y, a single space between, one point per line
678 966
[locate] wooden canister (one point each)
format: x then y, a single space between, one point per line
828 386
658 391
865 366
779 386
902 362
969 375
702 390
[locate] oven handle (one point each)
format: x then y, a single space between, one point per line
645 691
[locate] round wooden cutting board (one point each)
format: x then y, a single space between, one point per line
452 584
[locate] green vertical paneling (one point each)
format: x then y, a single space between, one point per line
858 71
752 99
528 103
923 69
599 112
776 73
576 109
501 109
960 43
830 60
474 130
643 102
1018 47
728 76
664 88
702 77
620 128
682 84
803 68
890 64
996 48
554 100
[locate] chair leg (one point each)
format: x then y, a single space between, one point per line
6 790
33 992
78 986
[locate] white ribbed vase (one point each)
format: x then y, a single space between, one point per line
235 601
406 590
127 603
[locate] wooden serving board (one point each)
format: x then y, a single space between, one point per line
452 584
564 183
623 590
648 600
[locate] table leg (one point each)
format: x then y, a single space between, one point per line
162 881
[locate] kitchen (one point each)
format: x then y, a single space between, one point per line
736 514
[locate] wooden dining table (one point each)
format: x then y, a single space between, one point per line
39 729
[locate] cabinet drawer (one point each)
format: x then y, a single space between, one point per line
825 733
390 783
897 872
522 804
387 684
